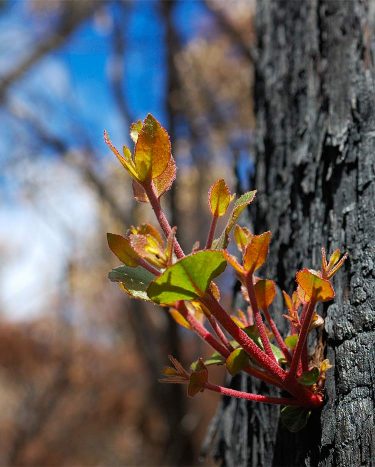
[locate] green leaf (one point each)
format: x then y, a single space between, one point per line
309 377
238 207
134 281
187 279
215 359
237 361
294 418
291 341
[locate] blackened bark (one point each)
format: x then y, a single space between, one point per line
316 184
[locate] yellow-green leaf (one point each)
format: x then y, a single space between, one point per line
242 237
219 198
237 361
240 204
188 278
291 341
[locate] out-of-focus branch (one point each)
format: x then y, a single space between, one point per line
118 66
230 30
74 12
60 146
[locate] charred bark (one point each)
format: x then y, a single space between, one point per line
316 187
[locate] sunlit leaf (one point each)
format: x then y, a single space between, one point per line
233 262
152 150
241 203
294 418
256 252
135 130
219 198
121 247
265 292
133 281
237 361
314 286
188 278
310 377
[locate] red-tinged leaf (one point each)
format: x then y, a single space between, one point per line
219 198
242 237
265 292
121 247
310 377
234 263
149 249
237 361
177 316
314 286
256 252
288 302
152 150
198 379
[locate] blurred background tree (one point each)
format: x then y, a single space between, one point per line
79 362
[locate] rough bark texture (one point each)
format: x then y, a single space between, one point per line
316 181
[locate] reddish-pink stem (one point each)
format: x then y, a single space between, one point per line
276 333
218 331
306 320
250 396
241 337
148 266
257 316
201 330
211 233
161 217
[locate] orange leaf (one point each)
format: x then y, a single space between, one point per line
265 292
152 150
256 252
313 286
177 316
234 263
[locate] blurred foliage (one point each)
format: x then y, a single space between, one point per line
79 364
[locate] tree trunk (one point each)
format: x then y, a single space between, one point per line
315 179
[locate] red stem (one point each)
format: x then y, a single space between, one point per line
211 232
242 338
161 217
257 316
201 330
276 333
218 331
148 266
306 320
250 396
